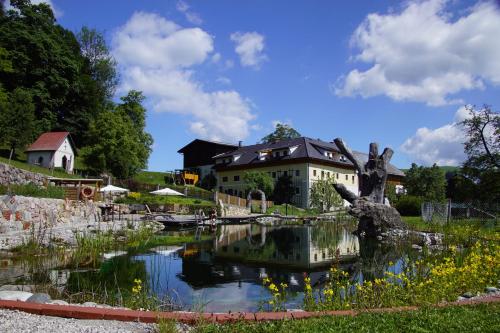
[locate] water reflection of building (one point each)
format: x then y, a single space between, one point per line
300 247
250 252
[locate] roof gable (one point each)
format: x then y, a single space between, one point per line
195 141
51 141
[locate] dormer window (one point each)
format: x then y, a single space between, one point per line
263 155
343 158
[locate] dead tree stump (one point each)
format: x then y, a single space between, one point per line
374 216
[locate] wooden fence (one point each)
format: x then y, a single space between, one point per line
237 201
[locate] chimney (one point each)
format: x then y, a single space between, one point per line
240 143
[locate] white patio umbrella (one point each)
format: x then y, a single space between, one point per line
166 191
113 189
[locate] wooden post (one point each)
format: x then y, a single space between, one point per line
78 190
448 215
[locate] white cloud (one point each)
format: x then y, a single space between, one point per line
191 16
223 80
57 12
216 57
159 57
422 54
228 64
250 48
443 145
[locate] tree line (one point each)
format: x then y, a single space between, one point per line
477 180
52 79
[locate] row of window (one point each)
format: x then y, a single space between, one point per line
240 194
273 174
327 173
277 174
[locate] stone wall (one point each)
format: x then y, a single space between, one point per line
15 176
30 211
232 210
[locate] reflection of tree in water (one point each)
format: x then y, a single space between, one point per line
375 257
283 238
327 235
115 275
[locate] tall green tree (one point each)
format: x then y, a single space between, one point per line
49 64
482 146
281 132
283 190
101 63
428 183
258 180
117 145
479 178
324 196
17 121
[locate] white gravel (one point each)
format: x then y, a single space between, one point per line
16 321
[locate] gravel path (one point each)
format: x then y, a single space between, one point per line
16 321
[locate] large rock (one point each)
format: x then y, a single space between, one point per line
17 287
374 218
8 295
41 298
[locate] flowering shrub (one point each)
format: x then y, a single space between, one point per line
134 195
278 294
140 298
421 282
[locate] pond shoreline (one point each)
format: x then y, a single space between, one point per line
79 312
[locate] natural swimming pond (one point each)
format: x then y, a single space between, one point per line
224 273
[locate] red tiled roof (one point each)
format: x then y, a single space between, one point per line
48 141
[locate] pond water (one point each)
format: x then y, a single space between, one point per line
225 273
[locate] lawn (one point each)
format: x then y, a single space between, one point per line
151 199
476 318
462 230
33 168
290 210
151 177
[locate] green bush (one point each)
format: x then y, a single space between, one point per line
31 190
409 205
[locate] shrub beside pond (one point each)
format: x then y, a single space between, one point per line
408 205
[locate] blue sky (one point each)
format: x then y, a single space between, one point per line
397 73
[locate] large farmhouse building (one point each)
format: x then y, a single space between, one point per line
198 155
53 150
306 160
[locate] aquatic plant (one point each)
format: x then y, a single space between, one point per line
90 248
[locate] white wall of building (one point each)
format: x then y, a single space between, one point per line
54 159
65 150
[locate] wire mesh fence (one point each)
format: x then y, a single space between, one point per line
441 213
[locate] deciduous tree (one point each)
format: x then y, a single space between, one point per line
324 196
17 121
482 130
428 183
284 190
117 145
281 132
257 180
